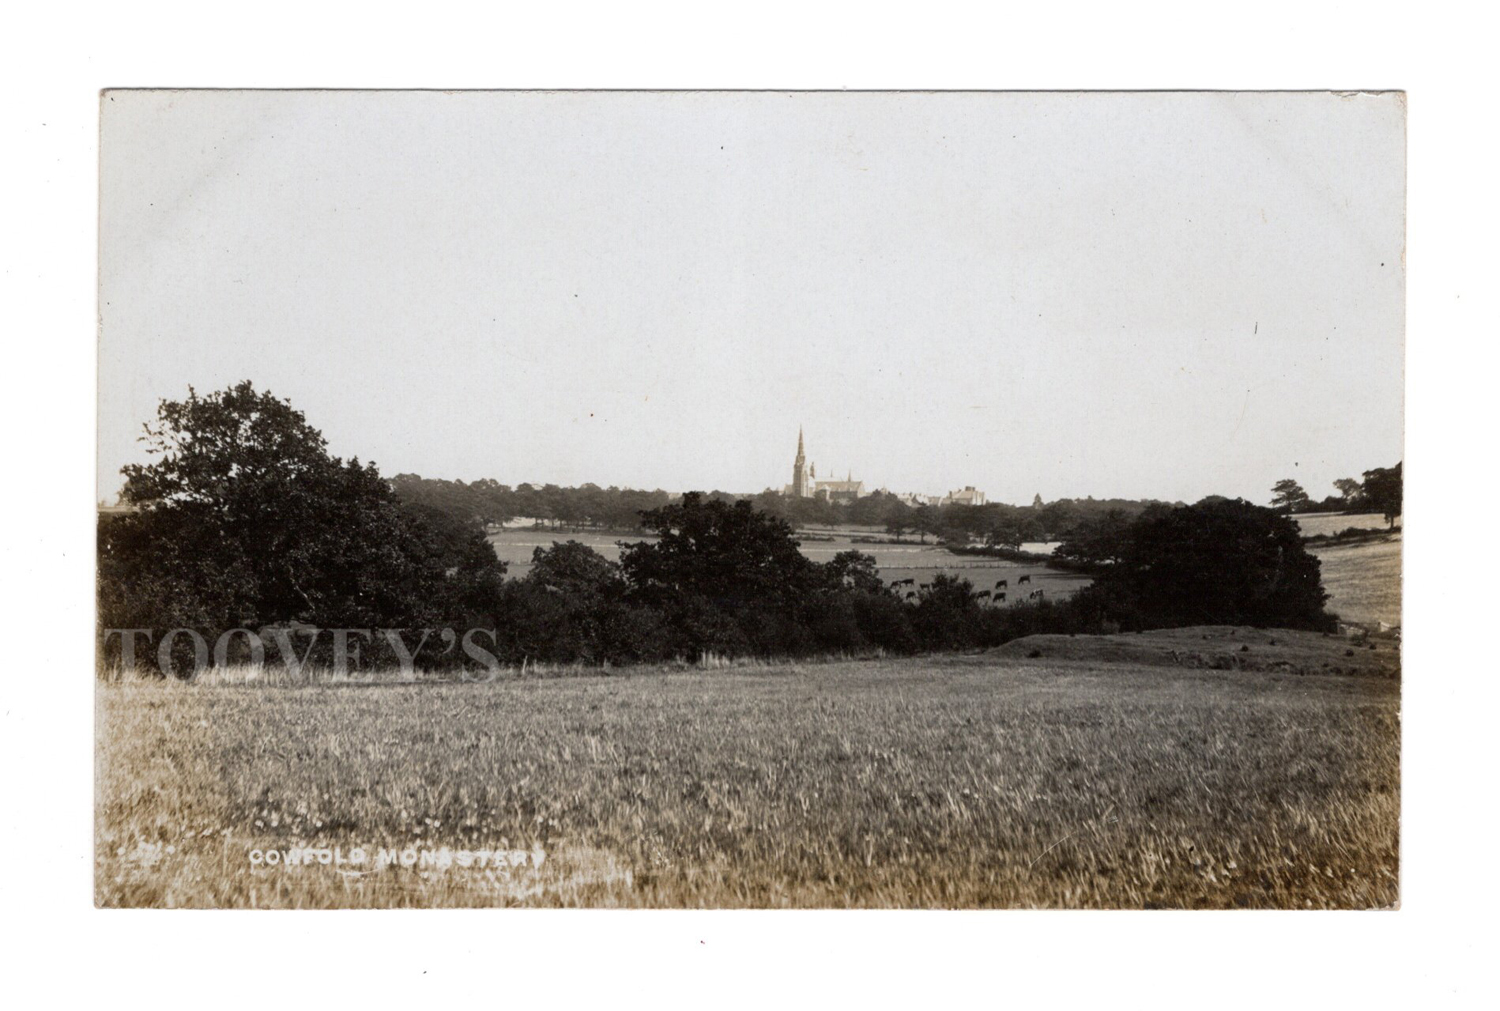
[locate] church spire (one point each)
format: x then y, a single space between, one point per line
800 469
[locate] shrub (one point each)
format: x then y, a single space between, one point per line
947 614
885 622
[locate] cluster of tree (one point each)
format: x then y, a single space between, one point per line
590 507
721 578
729 579
994 523
246 521
1219 562
1100 541
1380 491
485 501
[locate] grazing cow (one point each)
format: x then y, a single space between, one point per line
999 596
1023 579
1004 584
982 594
910 594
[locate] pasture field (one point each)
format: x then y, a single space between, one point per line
1363 580
514 547
895 561
1327 524
959 781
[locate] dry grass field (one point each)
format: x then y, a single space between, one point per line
966 781
1363 580
515 547
1327 524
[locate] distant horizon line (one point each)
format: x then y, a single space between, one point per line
102 499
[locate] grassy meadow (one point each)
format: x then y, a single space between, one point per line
996 780
1328 524
1363 580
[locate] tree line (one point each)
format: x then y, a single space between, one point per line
1380 492
592 508
588 507
244 520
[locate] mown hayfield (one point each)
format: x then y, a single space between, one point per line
1328 524
1363 580
515 547
972 781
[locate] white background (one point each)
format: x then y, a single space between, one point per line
1435 949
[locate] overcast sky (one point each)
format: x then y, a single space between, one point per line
1151 295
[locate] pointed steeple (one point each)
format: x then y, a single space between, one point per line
800 469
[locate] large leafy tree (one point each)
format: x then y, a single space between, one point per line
571 607
1350 490
854 570
1289 496
947 613
1007 530
575 570
899 521
731 555
244 519
925 519
1383 491
1215 563
1098 540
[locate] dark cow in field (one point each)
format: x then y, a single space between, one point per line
982 595
911 594
999 596
1004 584
1023 579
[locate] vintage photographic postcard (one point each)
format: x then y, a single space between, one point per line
750 499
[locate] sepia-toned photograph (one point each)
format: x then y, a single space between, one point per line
749 499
